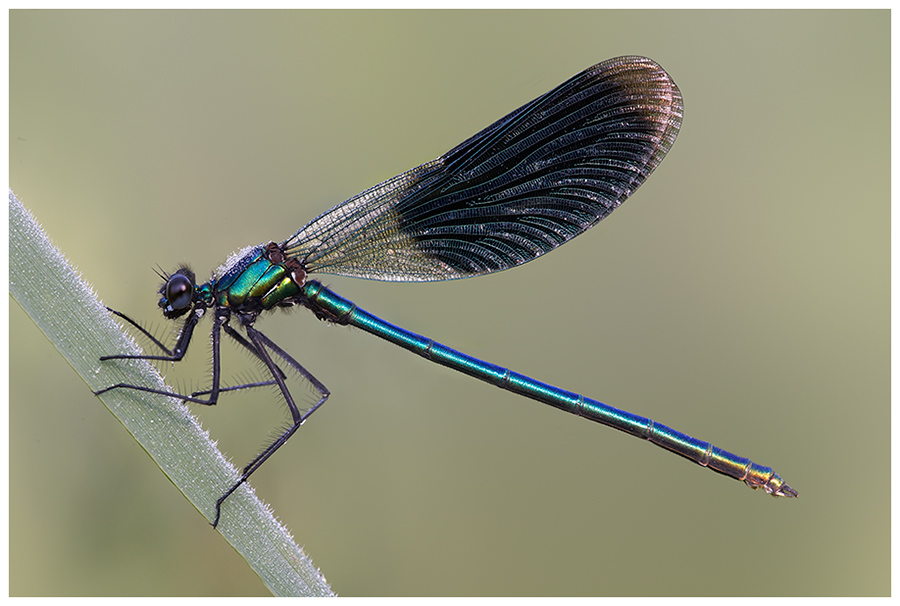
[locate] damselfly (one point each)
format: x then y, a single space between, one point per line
516 190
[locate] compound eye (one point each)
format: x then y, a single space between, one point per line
179 291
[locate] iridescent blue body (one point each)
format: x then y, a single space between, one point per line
704 453
524 185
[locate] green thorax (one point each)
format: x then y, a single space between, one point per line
258 276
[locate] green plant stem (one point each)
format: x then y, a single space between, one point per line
79 326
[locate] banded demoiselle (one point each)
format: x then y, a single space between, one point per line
524 185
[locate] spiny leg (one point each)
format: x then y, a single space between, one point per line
143 330
177 353
252 349
260 343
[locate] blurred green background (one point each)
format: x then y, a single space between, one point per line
741 296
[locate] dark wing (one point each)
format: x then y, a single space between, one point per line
518 189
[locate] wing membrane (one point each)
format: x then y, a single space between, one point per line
519 188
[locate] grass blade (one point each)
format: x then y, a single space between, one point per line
68 312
